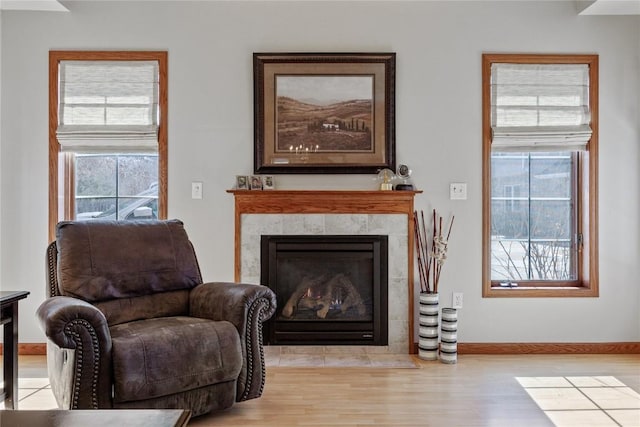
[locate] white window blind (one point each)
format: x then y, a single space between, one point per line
540 107
108 106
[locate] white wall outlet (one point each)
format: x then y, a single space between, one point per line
196 190
458 191
456 300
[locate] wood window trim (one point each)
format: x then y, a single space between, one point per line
55 56
587 284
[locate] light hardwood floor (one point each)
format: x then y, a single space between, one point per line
480 390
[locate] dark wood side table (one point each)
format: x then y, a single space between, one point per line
9 319
97 418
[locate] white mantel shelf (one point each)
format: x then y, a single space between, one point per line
329 202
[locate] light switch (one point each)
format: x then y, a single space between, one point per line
196 190
458 191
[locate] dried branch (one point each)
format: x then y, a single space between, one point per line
431 253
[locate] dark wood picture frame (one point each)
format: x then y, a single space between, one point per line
324 112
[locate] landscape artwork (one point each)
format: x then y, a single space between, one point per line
324 113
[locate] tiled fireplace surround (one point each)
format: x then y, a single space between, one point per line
334 213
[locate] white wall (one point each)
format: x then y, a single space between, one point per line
0 148
438 107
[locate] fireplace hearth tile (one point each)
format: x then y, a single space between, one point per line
394 348
345 360
344 349
342 361
272 360
301 349
301 360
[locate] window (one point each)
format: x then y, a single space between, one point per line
532 223
540 145
116 186
107 136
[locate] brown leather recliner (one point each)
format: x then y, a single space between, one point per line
129 323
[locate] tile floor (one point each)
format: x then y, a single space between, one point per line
584 401
34 391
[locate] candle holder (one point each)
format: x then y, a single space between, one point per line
303 151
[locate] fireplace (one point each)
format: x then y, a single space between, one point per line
331 289
329 213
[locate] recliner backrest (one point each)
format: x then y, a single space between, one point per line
129 269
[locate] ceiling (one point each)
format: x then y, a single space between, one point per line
584 7
609 7
46 5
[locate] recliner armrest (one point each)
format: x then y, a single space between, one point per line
231 302
246 307
56 314
79 352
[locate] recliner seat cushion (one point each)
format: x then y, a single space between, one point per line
162 356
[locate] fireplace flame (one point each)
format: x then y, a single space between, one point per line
322 294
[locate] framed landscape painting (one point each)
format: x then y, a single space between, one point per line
324 112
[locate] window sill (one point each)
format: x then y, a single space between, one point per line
539 292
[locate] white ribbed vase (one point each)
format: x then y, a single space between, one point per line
428 329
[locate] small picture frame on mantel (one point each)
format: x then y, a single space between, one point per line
268 182
255 182
242 182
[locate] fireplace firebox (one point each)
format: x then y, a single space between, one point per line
331 290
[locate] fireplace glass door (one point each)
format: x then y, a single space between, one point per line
330 289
